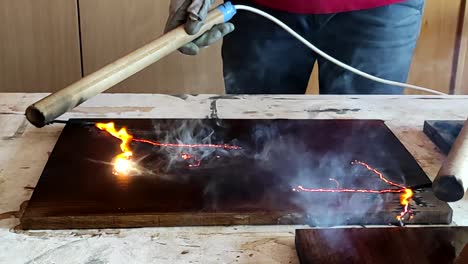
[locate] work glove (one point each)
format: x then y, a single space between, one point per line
193 13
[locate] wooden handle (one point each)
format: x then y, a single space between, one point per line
451 182
56 104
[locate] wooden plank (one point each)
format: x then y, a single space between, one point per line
443 133
432 65
461 79
39 45
381 245
254 184
113 28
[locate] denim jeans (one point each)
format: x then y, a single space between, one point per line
261 58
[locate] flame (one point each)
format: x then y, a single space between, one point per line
123 164
405 197
404 200
122 134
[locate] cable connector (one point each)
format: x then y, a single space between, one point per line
228 10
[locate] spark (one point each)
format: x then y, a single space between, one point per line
405 197
123 166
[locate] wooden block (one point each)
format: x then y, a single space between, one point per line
381 245
252 185
443 133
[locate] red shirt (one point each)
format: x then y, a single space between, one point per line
323 6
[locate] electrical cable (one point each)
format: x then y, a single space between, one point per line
330 58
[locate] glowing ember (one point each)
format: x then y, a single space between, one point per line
187 156
196 164
406 194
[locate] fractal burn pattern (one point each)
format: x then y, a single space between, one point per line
406 193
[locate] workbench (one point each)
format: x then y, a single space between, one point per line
24 151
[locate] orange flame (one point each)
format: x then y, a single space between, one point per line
122 162
404 200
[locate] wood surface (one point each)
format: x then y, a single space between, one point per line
112 28
39 45
381 245
251 185
443 133
24 151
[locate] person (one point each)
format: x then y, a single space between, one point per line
375 36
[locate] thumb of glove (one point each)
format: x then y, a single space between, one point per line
197 13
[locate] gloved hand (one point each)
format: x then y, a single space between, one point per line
193 13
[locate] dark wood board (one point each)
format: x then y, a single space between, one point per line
253 185
383 245
443 133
